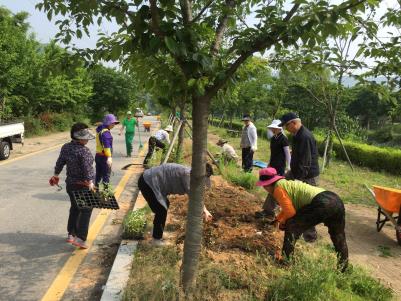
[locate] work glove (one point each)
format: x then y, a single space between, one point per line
54 180
253 149
91 186
207 216
109 162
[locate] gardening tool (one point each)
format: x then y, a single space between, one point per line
139 137
125 167
59 188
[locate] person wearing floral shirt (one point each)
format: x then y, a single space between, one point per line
80 175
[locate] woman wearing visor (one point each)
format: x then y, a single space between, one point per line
80 175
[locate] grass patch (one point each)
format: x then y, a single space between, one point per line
384 251
310 277
316 278
134 224
238 177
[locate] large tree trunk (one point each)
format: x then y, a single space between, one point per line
194 227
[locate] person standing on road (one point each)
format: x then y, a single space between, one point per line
304 160
249 140
160 181
158 140
104 149
304 206
80 175
280 159
129 124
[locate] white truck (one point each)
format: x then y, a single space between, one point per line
12 132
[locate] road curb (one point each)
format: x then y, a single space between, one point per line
120 271
119 274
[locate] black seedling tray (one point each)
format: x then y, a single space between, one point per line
89 199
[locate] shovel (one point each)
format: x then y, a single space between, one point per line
139 137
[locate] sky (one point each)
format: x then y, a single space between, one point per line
45 30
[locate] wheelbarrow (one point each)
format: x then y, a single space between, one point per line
389 205
147 125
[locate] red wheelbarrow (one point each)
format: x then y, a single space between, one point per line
389 205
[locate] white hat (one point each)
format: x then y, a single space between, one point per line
275 124
169 128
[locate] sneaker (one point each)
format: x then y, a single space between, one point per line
80 243
158 242
70 238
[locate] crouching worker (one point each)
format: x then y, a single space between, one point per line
228 153
158 140
160 181
304 206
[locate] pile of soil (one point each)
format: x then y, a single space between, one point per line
234 226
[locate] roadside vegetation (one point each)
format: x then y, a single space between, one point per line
236 261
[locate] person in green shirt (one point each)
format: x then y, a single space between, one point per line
129 124
304 206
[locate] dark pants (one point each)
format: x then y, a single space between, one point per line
247 159
270 205
153 143
78 220
160 212
327 208
102 170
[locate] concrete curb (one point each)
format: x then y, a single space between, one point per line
120 271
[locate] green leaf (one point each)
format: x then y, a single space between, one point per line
171 44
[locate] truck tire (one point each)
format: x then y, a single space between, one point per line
4 150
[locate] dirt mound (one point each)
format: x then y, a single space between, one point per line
233 225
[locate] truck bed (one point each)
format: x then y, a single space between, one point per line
11 129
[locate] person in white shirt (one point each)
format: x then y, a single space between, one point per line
228 153
249 143
159 139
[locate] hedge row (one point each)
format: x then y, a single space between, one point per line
374 157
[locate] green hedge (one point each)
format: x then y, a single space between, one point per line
374 157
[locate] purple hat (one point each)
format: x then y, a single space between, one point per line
110 119
268 176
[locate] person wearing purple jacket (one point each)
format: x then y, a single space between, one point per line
104 149
80 174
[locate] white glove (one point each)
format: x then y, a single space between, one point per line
91 186
207 216
109 162
253 149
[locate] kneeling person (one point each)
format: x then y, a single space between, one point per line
158 140
303 206
160 181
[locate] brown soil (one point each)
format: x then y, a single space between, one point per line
233 226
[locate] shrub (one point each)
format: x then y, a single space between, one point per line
134 224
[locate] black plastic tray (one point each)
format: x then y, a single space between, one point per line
89 199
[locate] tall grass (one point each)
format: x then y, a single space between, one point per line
235 175
311 277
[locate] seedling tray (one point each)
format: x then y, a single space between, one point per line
88 199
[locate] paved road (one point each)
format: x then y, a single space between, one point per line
33 219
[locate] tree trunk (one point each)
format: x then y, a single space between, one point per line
194 227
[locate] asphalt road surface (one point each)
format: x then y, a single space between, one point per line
33 220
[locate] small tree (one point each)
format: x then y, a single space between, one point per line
208 41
